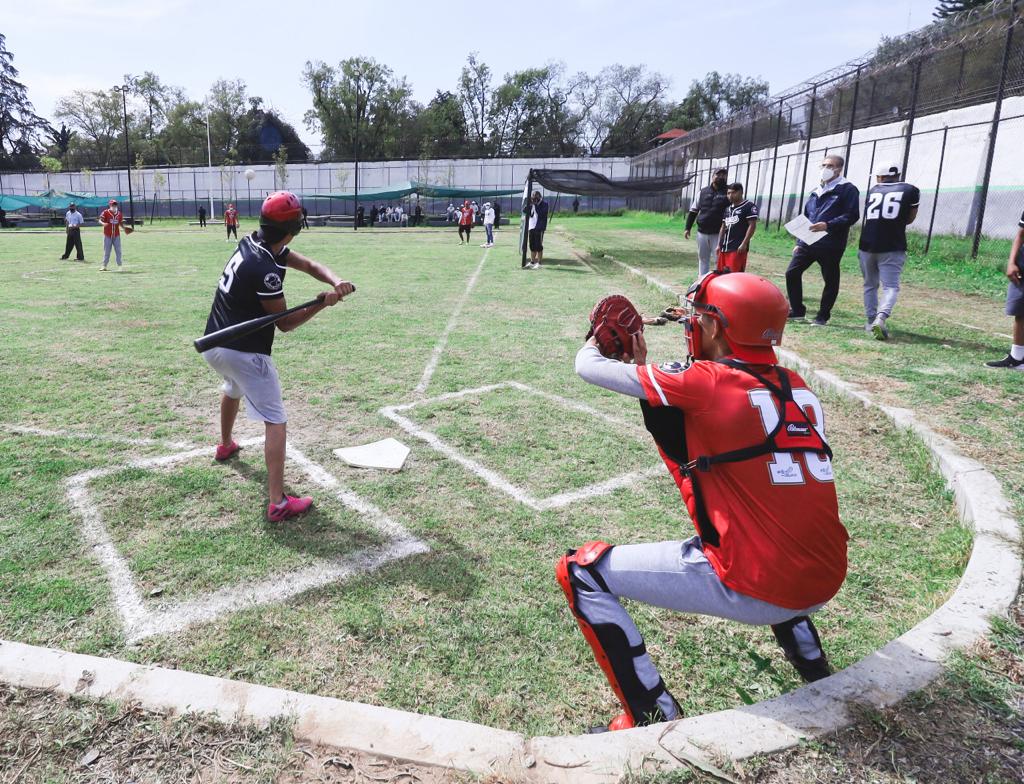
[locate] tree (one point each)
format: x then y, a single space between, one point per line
442 127
50 166
184 134
262 131
475 96
226 104
948 8
357 106
61 141
20 126
634 106
716 97
281 167
96 117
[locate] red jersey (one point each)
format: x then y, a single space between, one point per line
111 222
230 217
776 516
466 216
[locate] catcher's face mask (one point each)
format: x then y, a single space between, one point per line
696 309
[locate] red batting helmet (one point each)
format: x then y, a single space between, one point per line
282 211
750 308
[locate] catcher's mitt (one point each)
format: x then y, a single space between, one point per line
613 323
128 229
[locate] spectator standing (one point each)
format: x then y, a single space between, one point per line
738 227
488 225
477 218
497 215
202 217
708 213
833 207
373 215
3 219
305 218
575 205
890 207
1014 303
73 226
450 213
417 215
231 221
465 222
536 213
360 216
111 220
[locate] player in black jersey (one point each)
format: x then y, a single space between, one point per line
738 227
252 285
891 206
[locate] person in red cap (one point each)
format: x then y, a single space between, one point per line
744 440
111 219
252 285
231 221
465 221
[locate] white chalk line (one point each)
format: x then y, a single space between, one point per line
496 480
442 342
38 431
140 621
982 329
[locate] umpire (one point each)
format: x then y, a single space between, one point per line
73 225
708 213
833 207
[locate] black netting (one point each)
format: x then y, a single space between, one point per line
590 183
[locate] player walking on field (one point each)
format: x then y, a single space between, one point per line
891 206
231 221
465 222
1014 303
738 227
744 440
111 220
252 285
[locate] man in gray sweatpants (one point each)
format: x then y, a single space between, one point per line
708 212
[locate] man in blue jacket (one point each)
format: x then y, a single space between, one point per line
833 207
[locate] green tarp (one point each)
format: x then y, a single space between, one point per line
56 200
402 189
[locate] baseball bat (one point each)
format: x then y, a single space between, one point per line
235 331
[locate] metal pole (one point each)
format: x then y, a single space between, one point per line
785 181
810 135
355 203
935 198
871 166
853 121
127 153
209 161
910 120
775 158
993 133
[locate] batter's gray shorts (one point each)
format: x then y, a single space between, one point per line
252 376
707 252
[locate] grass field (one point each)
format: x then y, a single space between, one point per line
476 628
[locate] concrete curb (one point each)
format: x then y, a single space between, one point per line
908 663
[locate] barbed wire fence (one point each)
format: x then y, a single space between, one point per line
945 103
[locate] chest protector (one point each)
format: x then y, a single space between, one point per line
794 433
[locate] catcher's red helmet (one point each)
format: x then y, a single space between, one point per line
751 309
282 210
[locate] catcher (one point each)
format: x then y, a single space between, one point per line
744 440
111 219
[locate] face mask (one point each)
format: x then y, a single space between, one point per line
827 174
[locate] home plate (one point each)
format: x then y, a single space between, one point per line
389 454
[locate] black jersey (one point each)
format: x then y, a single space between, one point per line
252 276
737 220
885 217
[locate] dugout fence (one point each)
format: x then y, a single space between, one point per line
945 102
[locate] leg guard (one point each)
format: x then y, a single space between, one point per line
802 646
610 643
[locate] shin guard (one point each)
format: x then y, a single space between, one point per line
610 644
802 646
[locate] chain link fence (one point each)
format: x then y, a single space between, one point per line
945 103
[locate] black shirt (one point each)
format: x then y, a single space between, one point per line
885 217
736 222
709 210
252 276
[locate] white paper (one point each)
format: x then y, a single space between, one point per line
800 227
389 454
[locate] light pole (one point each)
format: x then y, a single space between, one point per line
123 89
209 161
250 174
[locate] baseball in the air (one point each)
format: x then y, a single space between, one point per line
250 174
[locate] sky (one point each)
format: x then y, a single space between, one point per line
63 45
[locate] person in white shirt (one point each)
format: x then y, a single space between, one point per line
489 225
73 226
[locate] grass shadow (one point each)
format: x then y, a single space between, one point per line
448 570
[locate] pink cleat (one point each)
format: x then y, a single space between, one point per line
224 451
291 507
